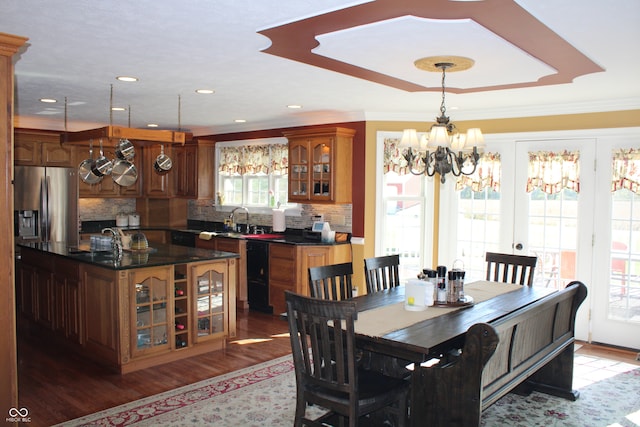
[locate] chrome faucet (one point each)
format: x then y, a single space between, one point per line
117 243
232 217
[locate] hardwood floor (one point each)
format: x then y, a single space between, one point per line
57 386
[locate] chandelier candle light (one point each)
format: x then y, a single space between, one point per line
445 149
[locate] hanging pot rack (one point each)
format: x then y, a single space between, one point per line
112 134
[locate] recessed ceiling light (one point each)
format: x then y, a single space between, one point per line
204 91
240 121
152 125
49 100
294 106
118 109
127 79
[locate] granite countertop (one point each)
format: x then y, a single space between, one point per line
157 255
290 236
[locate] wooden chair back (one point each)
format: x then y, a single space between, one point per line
381 272
327 374
332 282
510 268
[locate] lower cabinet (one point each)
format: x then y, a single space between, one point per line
150 305
48 294
236 246
129 319
175 311
289 265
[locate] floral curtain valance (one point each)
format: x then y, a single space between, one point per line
254 159
551 172
393 161
486 175
626 170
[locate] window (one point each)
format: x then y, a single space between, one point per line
252 173
404 217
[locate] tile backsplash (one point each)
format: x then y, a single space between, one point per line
104 209
339 216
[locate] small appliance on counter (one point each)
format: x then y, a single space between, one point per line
316 231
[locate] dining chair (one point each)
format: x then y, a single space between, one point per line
381 272
510 268
331 282
325 366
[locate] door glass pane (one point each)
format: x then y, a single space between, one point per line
552 231
624 283
478 229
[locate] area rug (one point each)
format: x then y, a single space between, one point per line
264 395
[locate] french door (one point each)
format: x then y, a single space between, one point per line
616 266
557 228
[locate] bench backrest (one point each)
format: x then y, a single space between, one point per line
529 338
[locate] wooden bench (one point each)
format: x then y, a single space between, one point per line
529 349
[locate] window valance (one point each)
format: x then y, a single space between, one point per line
552 172
626 170
254 159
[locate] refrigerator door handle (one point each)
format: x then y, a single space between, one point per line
45 219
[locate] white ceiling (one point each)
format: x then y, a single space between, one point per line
76 48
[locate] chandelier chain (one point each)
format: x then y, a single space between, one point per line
443 109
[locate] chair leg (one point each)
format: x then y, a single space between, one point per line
301 407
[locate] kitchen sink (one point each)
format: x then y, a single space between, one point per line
264 236
240 235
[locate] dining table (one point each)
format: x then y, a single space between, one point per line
385 327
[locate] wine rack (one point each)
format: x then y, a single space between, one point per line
181 306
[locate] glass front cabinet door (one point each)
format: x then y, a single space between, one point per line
298 170
150 310
320 165
211 298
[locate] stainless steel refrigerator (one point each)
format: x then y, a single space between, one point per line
46 205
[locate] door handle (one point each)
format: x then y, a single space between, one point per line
518 246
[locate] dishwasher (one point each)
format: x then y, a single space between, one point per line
258 275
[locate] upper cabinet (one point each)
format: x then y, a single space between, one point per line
157 183
320 165
193 176
41 148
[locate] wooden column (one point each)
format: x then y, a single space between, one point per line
9 46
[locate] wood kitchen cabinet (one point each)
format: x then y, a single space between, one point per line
156 184
289 266
150 310
320 165
237 246
193 176
41 148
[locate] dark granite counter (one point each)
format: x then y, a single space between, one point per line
159 254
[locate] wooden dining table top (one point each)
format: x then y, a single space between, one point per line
427 338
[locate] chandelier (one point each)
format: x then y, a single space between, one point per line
445 150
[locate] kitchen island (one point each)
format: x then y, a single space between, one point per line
131 312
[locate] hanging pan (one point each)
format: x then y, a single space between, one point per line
102 165
163 162
124 173
85 169
125 150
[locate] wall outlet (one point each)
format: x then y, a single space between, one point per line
337 220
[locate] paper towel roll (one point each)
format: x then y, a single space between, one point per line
279 224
